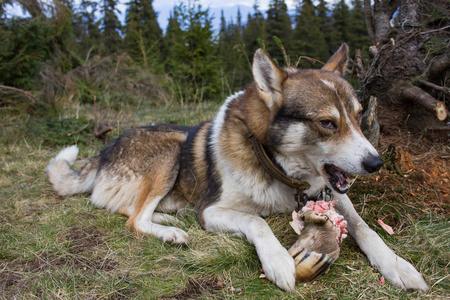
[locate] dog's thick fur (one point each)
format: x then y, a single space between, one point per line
308 120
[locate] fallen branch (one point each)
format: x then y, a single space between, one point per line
360 70
419 96
442 128
101 131
436 87
27 94
79 130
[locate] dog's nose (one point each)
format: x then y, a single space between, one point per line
372 163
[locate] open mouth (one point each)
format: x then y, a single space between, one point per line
339 179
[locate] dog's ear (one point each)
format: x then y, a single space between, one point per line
338 61
269 79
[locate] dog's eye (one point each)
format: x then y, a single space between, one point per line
328 124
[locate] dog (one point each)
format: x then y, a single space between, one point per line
288 135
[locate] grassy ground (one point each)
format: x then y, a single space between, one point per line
64 248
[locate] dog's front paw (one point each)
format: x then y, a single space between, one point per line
403 275
279 267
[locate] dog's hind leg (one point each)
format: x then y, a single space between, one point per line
153 189
400 272
158 218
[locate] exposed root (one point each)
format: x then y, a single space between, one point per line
439 66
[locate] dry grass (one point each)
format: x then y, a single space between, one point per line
65 248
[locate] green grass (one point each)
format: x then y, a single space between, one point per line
54 247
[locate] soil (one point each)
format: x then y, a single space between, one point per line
195 288
417 165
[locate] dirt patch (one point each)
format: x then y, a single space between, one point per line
18 276
14 279
195 288
84 239
417 168
416 173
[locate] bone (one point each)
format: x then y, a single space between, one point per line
318 244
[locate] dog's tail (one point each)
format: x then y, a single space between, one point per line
67 181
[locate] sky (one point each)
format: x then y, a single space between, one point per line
163 8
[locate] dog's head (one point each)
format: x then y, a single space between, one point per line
315 121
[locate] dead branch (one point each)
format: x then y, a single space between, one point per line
27 94
100 129
310 59
79 130
435 30
360 70
419 96
442 128
436 87
441 132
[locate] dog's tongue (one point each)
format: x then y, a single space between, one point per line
339 179
343 179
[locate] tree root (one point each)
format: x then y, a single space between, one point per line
439 66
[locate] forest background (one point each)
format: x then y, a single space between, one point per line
189 59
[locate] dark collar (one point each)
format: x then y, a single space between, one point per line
274 170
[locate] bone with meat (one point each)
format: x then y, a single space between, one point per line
318 244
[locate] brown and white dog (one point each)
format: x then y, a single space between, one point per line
308 123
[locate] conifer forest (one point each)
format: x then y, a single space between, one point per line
76 42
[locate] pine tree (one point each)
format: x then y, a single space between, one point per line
25 45
87 31
233 55
308 38
325 24
29 42
191 58
341 25
142 33
224 53
359 36
110 27
254 31
278 23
